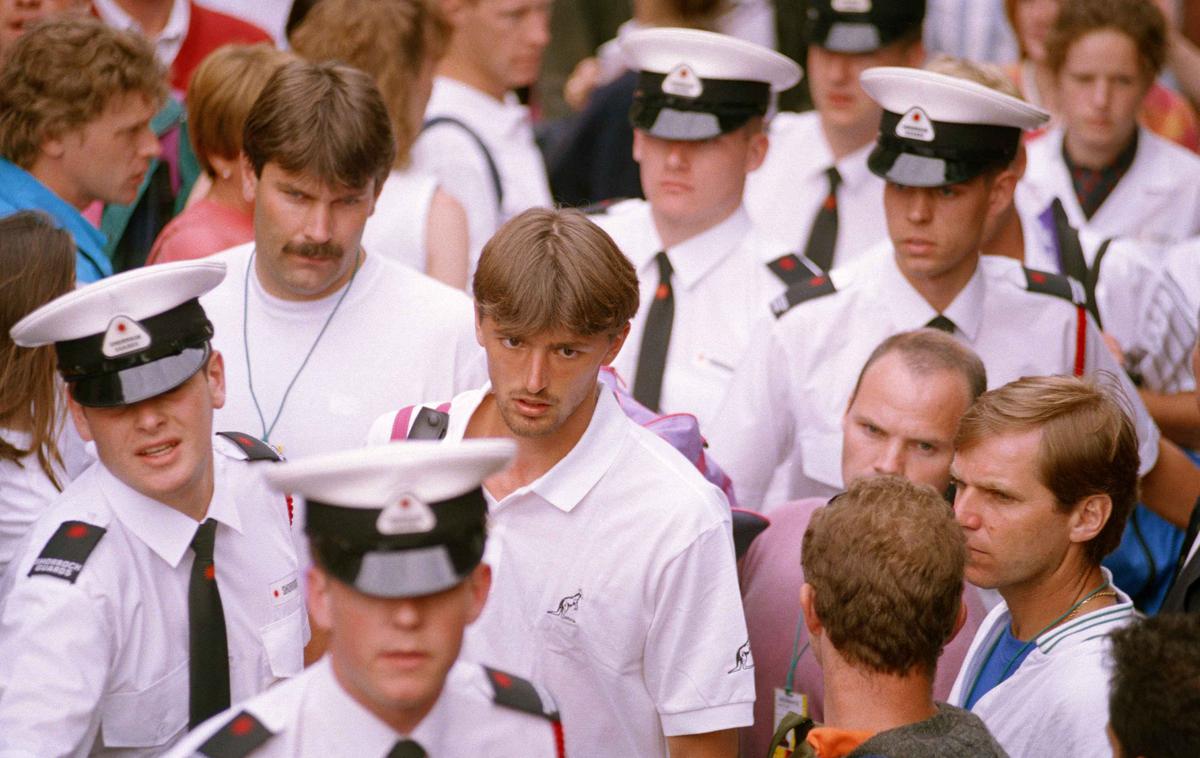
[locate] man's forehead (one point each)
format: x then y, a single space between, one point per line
552 336
310 181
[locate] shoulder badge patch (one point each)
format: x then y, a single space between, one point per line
800 292
792 269
520 695
68 549
1053 284
240 737
254 448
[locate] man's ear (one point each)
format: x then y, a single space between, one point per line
958 622
481 584
638 141
914 56
80 418
249 180
615 347
808 606
759 144
215 374
1089 517
318 598
1000 195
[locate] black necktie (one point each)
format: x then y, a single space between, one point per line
208 663
941 323
822 239
407 749
652 359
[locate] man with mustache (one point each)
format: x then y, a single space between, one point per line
615 583
321 335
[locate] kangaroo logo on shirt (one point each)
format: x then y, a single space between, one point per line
567 607
742 660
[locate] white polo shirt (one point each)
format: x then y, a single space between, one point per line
456 160
790 391
615 587
1157 200
1140 305
721 290
785 193
101 664
313 716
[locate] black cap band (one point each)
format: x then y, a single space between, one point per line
863 32
958 152
732 102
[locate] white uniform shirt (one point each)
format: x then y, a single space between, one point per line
1183 266
1157 200
169 41
450 154
788 396
313 716
721 290
100 666
1056 702
399 337
785 193
398 227
615 587
1140 304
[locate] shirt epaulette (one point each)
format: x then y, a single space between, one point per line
1058 285
520 694
67 550
793 269
240 737
800 292
254 448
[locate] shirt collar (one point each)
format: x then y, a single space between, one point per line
692 259
852 167
169 39
163 529
911 311
1098 623
451 92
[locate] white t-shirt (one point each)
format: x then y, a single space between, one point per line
789 393
615 587
25 490
455 159
785 193
102 666
398 338
721 288
397 228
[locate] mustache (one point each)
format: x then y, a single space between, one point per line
315 250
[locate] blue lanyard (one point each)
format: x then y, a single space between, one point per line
797 651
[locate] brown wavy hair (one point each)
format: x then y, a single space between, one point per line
37 261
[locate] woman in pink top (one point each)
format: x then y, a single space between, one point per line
223 88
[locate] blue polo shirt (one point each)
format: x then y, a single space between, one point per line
20 191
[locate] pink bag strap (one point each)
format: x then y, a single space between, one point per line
404 416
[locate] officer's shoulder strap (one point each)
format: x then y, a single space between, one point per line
520 694
67 550
1058 285
493 171
792 268
241 736
254 448
801 292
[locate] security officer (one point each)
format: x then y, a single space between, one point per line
698 131
814 190
398 534
163 583
946 149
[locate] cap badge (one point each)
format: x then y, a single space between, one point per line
408 515
124 336
851 6
915 125
683 82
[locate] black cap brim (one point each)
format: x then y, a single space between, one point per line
910 169
141 382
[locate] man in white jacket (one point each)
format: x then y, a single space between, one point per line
1046 474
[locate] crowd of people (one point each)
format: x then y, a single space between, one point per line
809 378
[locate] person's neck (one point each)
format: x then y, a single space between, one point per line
845 140
672 233
48 173
1038 606
195 500
1009 239
858 700
1047 88
459 68
151 16
403 720
228 192
940 291
1093 157
535 455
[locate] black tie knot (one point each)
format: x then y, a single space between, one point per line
941 323
835 179
407 749
205 539
664 267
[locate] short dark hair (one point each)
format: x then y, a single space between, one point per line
555 269
325 119
1139 20
1155 691
894 606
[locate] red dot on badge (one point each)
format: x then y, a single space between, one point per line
77 531
120 327
241 726
662 292
1039 278
276 593
817 281
210 572
504 680
787 264
916 117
